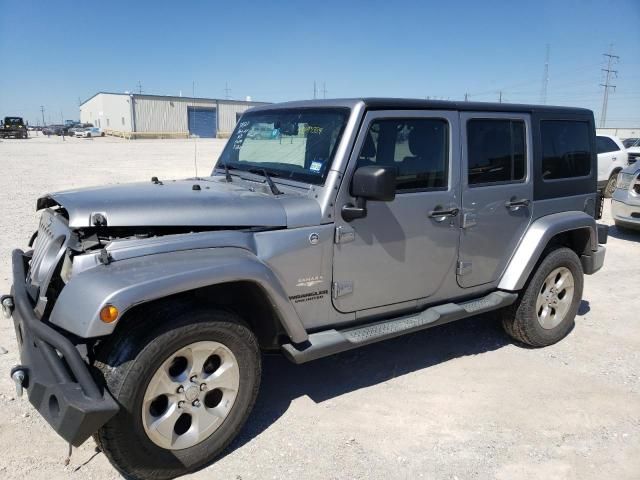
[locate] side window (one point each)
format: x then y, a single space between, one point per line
566 149
606 145
496 151
418 147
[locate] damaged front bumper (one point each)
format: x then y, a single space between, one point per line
56 377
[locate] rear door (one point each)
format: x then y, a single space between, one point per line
497 191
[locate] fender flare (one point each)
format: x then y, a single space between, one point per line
536 239
130 282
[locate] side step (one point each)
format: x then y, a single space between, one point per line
328 342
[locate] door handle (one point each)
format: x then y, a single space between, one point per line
440 214
514 203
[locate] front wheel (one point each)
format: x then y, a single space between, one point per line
611 185
546 309
185 390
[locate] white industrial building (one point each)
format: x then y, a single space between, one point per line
133 115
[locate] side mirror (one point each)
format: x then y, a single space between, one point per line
370 183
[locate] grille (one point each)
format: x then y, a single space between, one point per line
48 248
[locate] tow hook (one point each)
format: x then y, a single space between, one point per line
7 305
18 375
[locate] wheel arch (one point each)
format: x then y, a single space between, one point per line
203 275
245 298
576 230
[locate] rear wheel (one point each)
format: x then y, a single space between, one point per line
546 309
185 390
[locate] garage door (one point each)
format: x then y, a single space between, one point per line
202 122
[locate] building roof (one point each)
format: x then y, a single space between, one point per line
375 103
176 97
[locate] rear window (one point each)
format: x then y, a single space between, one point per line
566 149
606 145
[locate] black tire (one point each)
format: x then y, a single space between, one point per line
520 320
128 360
611 185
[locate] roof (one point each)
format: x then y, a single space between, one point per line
176 97
375 103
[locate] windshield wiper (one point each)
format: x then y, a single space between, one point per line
272 185
227 175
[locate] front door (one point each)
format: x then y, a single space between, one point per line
497 192
401 250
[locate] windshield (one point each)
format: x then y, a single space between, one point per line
12 121
295 143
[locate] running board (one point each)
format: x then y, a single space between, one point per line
328 342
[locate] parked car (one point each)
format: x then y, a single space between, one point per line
89 132
142 309
625 204
612 158
634 151
628 142
13 127
53 130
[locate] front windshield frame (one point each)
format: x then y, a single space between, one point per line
279 170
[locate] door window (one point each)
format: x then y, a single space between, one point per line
417 147
496 151
606 145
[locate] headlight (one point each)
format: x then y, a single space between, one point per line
624 181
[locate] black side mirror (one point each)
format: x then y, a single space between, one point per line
370 183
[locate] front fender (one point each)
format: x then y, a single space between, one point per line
536 240
130 282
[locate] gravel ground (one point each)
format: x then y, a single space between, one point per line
459 401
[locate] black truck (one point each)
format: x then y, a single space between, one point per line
13 127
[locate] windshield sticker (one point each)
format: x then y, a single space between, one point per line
316 167
312 129
241 134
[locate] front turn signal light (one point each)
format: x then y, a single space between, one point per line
109 314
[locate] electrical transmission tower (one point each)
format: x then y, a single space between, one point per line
315 90
324 90
227 91
545 78
607 83
139 87
42 110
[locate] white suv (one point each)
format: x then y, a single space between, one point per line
612 158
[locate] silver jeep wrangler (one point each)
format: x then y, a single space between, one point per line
141 310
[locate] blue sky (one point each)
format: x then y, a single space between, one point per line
54 53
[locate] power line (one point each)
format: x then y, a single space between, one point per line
545 77
607 85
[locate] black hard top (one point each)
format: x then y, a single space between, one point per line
380 103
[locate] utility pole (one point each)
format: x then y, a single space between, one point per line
227 91
139 87
500 98
42 111
607 84
545 78
324 90
315 90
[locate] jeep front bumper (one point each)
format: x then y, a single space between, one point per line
58 382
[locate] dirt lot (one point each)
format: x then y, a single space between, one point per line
456 402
